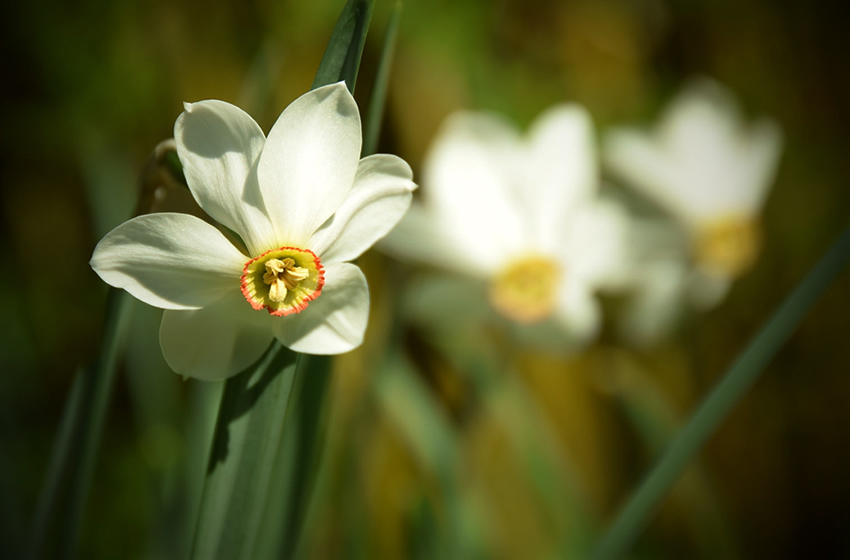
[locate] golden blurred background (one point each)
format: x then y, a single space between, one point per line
436 447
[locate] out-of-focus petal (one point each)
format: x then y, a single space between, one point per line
468 187
763 145
561 171
657 300
634 156
218 145
172 261
701 162
578 312
309 162
216 341
417 237
333 323
596 246
380 196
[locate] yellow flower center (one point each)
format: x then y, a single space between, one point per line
526 290
729 246
283 280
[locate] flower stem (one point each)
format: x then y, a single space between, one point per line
720 401
379 87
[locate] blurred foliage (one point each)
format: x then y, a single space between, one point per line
435 452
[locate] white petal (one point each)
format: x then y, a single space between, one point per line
172 261
216 341
578 312
417 237
760 157
469 187
596 247
309 161
379 198
334 322
636 157
656 303
219 145
561 170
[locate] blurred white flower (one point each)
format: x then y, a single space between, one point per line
523 215
302 202
710 170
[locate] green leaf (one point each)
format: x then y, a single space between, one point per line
342 55
247 437
298 461
720 402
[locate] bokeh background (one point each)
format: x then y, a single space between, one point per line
424 453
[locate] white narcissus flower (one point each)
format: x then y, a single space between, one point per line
303 203
709 169
522 214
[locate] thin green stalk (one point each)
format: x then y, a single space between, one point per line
720 401
96 390
60 458
379 89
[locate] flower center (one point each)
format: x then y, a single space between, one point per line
729 246
526 290
283 280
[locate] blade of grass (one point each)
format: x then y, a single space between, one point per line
720 401
60 457
341 60
379 88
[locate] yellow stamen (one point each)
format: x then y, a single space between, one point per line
282 275
729 246
526 291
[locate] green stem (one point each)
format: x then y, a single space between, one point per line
59 459
720 401
379 89
90 408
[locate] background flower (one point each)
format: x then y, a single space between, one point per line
522 214
708 168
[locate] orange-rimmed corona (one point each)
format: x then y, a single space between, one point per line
283 281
